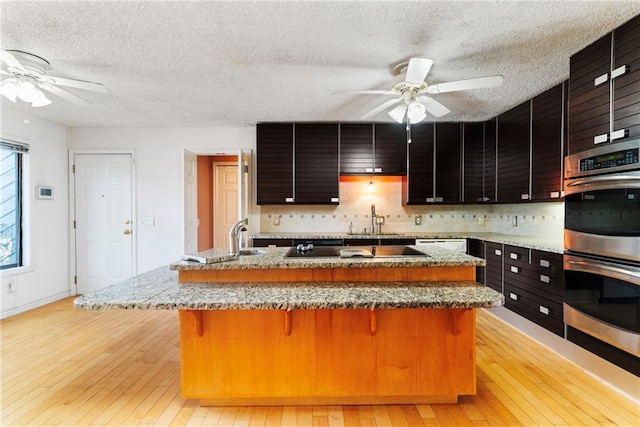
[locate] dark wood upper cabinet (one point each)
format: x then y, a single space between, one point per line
316 163
490 160
297 163
546 144
448 162
513 154
626 87
367 149
473 162
589 108
604 95
390 148
274 152
418 184
356 148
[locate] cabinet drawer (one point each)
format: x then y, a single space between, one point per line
539 310
515 255
547 263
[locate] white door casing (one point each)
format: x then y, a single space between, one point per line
190 202
104 222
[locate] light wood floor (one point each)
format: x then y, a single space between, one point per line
67 367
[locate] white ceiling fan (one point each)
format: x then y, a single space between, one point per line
414 100
25 74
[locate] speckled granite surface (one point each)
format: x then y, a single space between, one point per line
556 246
275 258
159 290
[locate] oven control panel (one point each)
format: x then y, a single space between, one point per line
610 160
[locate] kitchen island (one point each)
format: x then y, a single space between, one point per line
266 329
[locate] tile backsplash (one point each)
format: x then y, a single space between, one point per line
531 219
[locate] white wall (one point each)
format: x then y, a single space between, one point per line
46 278
159 177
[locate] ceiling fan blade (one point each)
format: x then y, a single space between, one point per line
64 95
80 84
11 60
479 83
398 113
381 108
417 70
368 92
434 108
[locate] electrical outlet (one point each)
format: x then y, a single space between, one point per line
418 219
276 220
514 221
481 220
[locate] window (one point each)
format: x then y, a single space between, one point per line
11 203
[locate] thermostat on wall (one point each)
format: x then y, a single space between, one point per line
44 193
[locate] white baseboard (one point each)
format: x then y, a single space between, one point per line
614 377
34 304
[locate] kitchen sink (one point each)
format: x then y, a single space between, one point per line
353 252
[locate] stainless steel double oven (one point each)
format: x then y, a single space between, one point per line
602 252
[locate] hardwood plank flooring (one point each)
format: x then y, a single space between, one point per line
67 367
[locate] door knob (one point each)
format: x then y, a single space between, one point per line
127 232
127 222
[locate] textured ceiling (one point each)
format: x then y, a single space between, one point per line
191 63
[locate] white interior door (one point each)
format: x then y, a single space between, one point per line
225 202
104 219
190 202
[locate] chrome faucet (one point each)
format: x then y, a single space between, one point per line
373 218
234 236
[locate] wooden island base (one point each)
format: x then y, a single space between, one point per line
327 356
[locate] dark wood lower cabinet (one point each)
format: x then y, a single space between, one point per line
493 273
476 248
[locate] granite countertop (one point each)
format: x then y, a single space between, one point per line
555 246
159 290
274 258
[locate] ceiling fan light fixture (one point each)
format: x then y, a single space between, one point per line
9 89
27 90
416 112
397 113
41 101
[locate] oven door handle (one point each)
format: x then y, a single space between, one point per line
606 178
625 273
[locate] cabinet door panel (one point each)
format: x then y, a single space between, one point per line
356 148
274 151
626 88
513 153
316 163
473 162
493 274
390 149
546 144
589 104
490 160
448 146
419 182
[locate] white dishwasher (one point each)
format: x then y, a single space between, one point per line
456 245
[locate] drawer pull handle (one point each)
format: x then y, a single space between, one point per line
514 269
513 296
599 80
599 139
618 71
544 278
335 199
368 170
288 199
554 195
621 133
524 197
544 263
513 256
377 170
498 252
544 310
